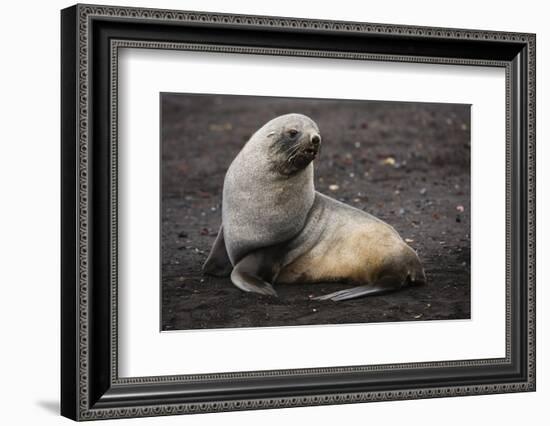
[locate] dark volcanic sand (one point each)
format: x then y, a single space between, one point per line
421 195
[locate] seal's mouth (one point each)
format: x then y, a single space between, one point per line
304 156
310 152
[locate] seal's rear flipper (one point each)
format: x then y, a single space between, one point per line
246 276
218 263
352 293
385 285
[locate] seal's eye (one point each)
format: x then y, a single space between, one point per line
292 133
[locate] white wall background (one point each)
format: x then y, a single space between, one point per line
29 213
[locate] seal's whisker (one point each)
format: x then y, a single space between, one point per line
292 148
302 145
293 153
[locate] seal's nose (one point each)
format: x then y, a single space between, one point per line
315 140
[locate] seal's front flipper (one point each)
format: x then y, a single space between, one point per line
246 276
252 283
218 263
385 285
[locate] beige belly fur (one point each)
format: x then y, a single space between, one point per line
353 252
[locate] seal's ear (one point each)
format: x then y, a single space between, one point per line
271 134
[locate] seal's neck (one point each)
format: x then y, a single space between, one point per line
254 170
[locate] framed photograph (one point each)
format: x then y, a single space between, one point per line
263 212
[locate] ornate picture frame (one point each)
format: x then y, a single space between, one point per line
91 37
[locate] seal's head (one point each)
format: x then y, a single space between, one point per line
294 141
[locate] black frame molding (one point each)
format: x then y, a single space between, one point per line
91 36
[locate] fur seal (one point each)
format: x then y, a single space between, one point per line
277 229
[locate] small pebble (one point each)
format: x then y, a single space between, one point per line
334 187
220 127
357 144
423 191
460 208
409 240
389 161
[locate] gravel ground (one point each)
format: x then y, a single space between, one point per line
406 163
